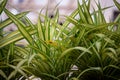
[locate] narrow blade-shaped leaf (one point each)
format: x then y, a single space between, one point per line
9 21
117 4
21 27
13 37
2 5
3 74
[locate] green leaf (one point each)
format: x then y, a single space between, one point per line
56 17
47 30
2 5
21 27
113 66
72 20
9 21
80 36
17 69
74 78
87 12
89 69
117 4
21 50
112 56
113 51
100 18
81 13
66 23
3 74
98 27
98 46
30 59
13 37
74 48
12 74
40 30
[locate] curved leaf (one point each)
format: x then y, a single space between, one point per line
13 37
74 48
9 21
117 4
3 74
89 69
21 27
2 5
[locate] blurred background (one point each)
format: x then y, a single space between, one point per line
65 8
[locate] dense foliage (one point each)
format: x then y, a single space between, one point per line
53 50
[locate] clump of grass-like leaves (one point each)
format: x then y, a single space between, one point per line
92 33
54 49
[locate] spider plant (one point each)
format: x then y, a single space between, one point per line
48 52
8 52
54 49
91 31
